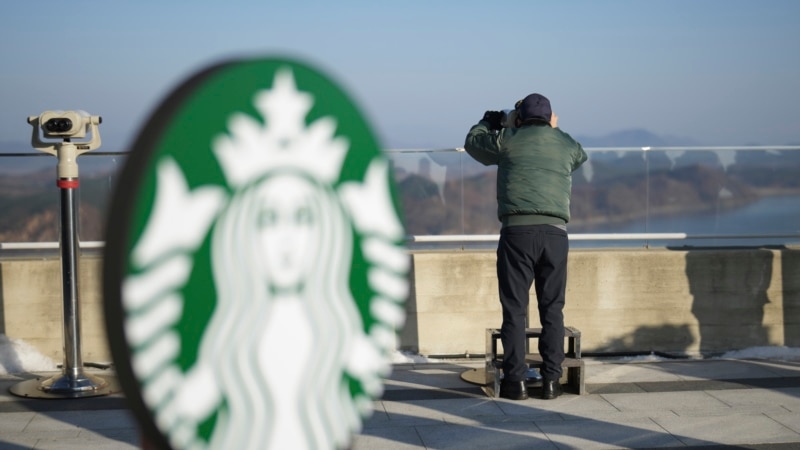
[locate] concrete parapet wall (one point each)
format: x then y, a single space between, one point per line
31 306
665 300
698 301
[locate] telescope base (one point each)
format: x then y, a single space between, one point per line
63 386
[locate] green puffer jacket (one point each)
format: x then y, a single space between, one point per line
534 170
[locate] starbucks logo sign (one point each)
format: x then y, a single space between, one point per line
254 270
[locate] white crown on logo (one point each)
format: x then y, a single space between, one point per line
252 148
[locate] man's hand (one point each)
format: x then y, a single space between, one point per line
553 120
494 118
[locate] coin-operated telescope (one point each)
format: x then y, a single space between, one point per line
61 127
65 126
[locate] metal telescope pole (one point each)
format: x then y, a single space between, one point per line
73 382
68 244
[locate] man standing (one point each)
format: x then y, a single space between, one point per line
535 161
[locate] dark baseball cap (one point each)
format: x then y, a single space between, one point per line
535 107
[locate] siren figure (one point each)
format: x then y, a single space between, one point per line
276 328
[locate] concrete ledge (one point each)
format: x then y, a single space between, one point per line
31 306
683 301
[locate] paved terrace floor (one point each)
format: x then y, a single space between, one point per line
716 403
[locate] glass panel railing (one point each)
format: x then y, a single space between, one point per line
29 197
710 194
621 196
624 196
609 190
445 192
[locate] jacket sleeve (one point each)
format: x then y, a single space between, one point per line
482 145
579 155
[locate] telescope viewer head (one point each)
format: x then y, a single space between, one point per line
65 124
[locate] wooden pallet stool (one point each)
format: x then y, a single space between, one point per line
573 365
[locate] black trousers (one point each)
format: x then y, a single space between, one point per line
529 254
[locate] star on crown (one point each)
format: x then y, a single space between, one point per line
284 141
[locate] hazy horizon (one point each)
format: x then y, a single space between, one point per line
718 72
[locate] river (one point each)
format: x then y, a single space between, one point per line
769 215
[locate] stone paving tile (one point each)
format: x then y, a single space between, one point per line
83 444
398 418
616 416
17 441
15 422
400 421
604 434
779 368
667 401
379 413
716 369
402 438
529 416
614 388
792 407
790 420
442 410
689 385
53 433
566 404
441 393
500 435
731 429
428 378
131 435
614 373
788 398
69 420
744 409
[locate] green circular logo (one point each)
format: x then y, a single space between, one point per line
254 269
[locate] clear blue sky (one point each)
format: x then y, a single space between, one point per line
723 72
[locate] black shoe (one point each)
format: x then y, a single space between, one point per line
513 390
551 389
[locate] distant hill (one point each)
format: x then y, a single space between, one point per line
636 138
